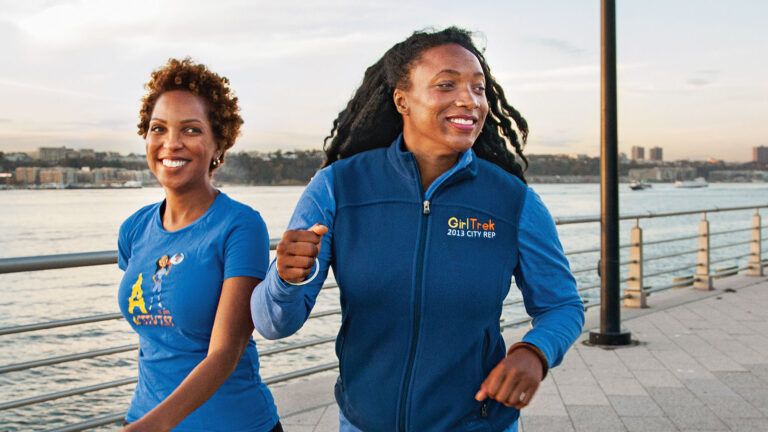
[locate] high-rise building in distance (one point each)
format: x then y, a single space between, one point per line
656 154
760 154
638 153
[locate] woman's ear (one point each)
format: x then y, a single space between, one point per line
401 102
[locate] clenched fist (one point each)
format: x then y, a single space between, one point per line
297 251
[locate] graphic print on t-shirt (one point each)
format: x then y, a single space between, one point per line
153 314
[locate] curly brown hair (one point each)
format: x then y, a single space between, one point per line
185 74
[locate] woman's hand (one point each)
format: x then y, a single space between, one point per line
514 381
297 251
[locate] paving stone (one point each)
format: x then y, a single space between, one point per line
588 418
639 358
546 424
708 388
572 377
582 395
329 422
621 386
648 424
694 417
741 379
310 417
632 406
547 387
732 407
657 378
757 397
672 396
747 425
545 405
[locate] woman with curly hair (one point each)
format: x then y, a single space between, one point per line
424 215
203 252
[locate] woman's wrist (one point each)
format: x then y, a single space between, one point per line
536 351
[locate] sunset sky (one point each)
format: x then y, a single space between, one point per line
693 74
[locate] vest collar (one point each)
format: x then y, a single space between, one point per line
405 164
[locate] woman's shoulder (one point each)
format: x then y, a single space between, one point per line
238 211
142 215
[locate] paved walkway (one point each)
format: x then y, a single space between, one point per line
701 365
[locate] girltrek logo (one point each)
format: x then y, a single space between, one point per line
471 227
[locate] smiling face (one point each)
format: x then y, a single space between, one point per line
180 142
444 106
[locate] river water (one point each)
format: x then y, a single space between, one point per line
43 222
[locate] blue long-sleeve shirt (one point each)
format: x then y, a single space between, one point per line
542 273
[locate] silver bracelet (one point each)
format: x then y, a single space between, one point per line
317 270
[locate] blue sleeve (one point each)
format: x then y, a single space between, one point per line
246 249
124 244
548 286
278 308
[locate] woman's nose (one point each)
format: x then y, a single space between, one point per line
172 140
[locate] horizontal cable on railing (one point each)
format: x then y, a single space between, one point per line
729 231
653 258
92 423
584 270
125 348
730 245
66 358
94 318
666 287
66 393
652 215
730 258
59 323
654 242
300 373
674 270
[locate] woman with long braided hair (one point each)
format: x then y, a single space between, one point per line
423 213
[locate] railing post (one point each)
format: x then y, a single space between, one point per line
636 294
755 249
703 280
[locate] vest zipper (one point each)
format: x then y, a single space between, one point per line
419 284
418 287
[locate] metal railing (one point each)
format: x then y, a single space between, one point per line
698 274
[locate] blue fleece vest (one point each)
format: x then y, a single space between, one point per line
422 283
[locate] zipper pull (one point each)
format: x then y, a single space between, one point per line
484 409
426 207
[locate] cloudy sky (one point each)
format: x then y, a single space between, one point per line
693 74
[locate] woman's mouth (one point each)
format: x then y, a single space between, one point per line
174 163
463 123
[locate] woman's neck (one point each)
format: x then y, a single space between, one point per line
184 207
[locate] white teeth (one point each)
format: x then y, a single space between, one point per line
174 163
461 121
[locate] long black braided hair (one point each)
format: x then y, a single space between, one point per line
371 120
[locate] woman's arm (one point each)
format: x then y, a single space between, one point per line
551 298
232 329
279 308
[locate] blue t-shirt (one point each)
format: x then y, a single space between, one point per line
169 295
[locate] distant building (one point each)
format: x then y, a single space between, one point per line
638 153
27 175
760 154
53 154
663 174
58 176
87 153
656 154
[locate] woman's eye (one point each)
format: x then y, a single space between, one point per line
157 129
192 130
445 85
480 88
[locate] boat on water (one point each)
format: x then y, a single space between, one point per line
698 182
639 185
